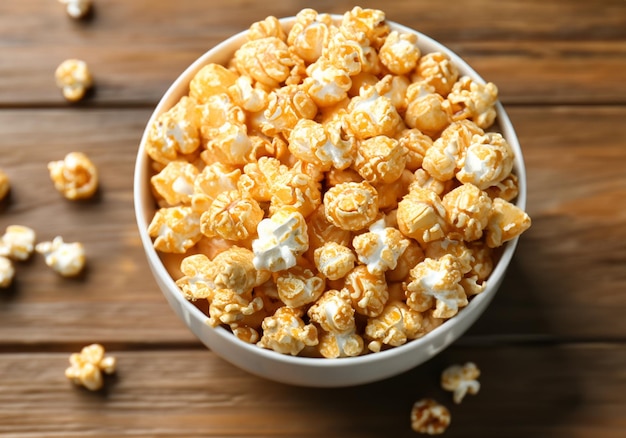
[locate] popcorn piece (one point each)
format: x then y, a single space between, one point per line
7 272
175 132
468 209
394 88
214 179
507 189
266 60
368 291
454 247
5 185
326 83
228 144
461 380
68 259
416 146
297 190
351 206
282 237
86 368
175 229
246 96
380 159
270 27
426 110
345 344
310 34
380 248
421 215
429 417
365 24
506 222
299 286
390 194
211 80
396 325
73 78
370 114
286 106
232 216
286 333
437 70
321 145
18 242
425 181
412 255
77 9
469 99
435 283
488 160
175 183
75 176
320 230
234 269
400 53
258 178
334 260
196 282
228 307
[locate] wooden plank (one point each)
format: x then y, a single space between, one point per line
565 281
535 51
527 391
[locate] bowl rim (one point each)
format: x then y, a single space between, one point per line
140 182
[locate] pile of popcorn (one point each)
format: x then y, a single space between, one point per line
332 191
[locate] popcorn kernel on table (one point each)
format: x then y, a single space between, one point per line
88 366
429 417
75 177
461 380
5 185
17 242
67 259
7 272
73 78
77 9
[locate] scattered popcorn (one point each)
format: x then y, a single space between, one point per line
429 417
17 242
7 272
68 259
331 190
73 78
75 177
5 185
461 380
88 366
77 9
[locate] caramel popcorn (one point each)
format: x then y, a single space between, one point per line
88 366
17 242
7 272
75 177
77 9
429 417
5 185
73 78
461 380
331 190
68 259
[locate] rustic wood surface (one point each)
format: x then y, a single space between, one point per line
552 346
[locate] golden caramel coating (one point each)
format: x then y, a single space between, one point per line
400 53
313 143
228 307
67 259
175 183
234 269
396 325
380 159
421 215
213 180
299 286
232 216
297 190
266 60
507 189
333 312
270 27
211 80
457 248
368 291
351 206
196 282
310 34
334 260
426 110
506 222
229 144
488 160
320 231
461 380
259 177
248 97
286 106
471 100
416 144
17 242
435 284
7 272
326 83
286 333
437 70
429 417
175 132
380 248
365 25
75 177
424 180
344 344
5 185
175 229
394 88
73 78
370 114
390 194
88 366
412 255
468 209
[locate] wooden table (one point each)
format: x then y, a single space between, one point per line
552 346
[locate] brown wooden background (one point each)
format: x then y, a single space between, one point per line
552 347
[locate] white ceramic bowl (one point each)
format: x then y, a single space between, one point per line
316 372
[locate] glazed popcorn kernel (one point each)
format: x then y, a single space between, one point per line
175 229
334 260
370 114
416 144
400 53
286 332
313 143
17 242
310 34
266 60
506 221
429 417
229 307
468 210
437 70
286 105
75 177
296 190
380 248
299 286
231 216
73 78
461 380
395 326
67 259
5 185
380 159
88 366
368 291
7 272
215 179
326 83
212 79
426 110
488 160
470 99
175 183
77 9
351 206
421 215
